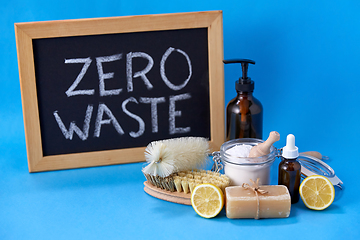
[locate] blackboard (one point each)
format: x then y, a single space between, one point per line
102 97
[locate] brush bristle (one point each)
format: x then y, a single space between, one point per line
177 154
187 180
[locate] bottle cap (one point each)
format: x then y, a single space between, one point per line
290 151
244 84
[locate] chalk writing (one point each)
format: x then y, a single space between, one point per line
68 134
70 92
103 76
142 73
111 119
102 108
162 69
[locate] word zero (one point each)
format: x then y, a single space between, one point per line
129 74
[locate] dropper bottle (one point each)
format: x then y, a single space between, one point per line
290 169
244 113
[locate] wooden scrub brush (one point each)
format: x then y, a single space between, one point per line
167 157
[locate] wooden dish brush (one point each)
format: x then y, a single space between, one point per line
172 169
166 157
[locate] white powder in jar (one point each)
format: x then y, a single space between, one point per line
237 168
241 150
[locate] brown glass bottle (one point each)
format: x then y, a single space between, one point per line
244 113
290 176
244 117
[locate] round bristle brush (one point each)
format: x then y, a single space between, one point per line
166 157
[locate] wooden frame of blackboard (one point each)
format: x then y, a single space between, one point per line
26 32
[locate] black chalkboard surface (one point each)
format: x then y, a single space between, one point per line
124 90
98 91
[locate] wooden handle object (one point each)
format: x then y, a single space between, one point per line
264 148
313 154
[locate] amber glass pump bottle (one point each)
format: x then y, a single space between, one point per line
244 113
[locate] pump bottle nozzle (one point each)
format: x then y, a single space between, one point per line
244 84
244 66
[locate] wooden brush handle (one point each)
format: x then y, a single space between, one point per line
313 154
176 197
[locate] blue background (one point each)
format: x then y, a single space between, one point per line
306 75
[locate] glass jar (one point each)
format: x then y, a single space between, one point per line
241 169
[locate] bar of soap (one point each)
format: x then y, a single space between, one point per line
242 203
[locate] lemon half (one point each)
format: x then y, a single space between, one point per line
207 200
317 192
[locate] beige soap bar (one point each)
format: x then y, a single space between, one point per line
242 203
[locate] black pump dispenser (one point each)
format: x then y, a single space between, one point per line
244 113
244 84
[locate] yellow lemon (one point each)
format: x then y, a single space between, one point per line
207 200
317 192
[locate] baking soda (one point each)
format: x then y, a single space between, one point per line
240 168
241 150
